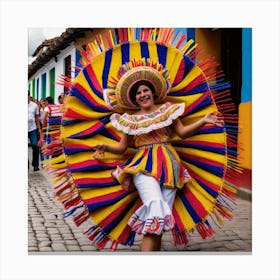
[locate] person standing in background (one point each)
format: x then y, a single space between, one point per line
51 120
61 98
51 109
33 130
42 105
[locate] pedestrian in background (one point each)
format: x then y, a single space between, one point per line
42 105
51 109
33 130
61 98
51 122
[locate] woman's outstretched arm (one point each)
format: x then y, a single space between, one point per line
185 131
119 148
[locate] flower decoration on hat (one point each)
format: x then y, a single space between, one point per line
118 94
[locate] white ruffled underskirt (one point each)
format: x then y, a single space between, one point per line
153 217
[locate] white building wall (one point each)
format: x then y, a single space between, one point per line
60 66
59 70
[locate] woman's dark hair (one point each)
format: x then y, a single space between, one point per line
50 100
135 87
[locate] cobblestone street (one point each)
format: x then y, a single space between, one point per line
48 231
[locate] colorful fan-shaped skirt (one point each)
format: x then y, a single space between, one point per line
94 198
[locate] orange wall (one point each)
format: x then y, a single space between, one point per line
245 136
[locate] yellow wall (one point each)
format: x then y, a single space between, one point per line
245 137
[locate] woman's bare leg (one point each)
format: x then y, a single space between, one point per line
158 245
151 242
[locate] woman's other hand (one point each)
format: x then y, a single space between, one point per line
214 118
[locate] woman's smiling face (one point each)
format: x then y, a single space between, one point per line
144 97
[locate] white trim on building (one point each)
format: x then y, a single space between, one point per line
58 63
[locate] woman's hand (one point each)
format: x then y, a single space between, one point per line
118 148
99 151
214 118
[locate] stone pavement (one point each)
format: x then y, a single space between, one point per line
48 231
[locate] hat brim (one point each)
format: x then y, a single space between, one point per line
141 73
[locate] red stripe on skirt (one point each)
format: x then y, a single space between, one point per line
195 203
105 197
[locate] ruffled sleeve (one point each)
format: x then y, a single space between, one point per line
140 124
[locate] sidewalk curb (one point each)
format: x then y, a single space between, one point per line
244 194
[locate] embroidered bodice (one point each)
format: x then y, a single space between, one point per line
161 135
150 126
